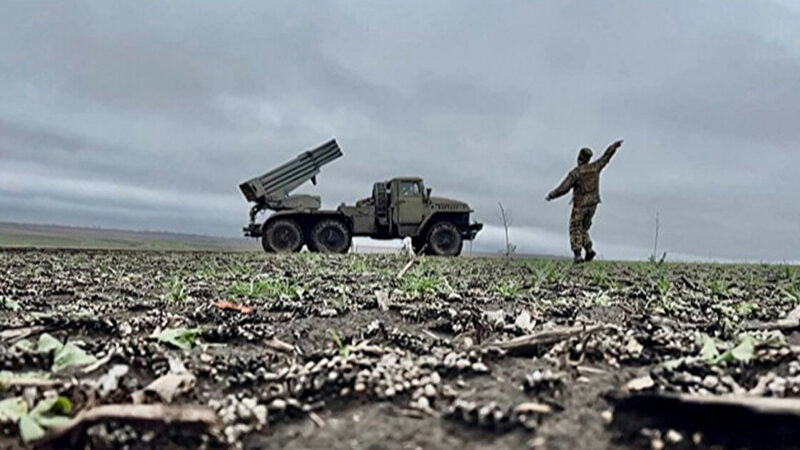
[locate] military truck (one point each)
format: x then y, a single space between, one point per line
398 208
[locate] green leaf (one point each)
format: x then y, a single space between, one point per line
63 405
745 350
71 355
29 430
24 345
335 338
48 343
53 405
11 409
47 414
9 304
709 350
183 338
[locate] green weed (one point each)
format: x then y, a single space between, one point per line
790 274
545 271
344 350
663 302
791 292
238 270
183 338
312 260
416 284
208 273
663 286
425 279
358 264
9 304
600 299
740 351
601 278
50 413
744 308
176 290
719 288
506 288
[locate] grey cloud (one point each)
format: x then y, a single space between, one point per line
148 115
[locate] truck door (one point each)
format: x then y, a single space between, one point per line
409 202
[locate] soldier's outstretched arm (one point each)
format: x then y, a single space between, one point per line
609 153
562 188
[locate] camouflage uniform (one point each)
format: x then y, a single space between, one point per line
584 181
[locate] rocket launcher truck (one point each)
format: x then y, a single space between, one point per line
398 208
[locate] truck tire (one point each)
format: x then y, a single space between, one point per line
331 236
444 239
283 236
265 242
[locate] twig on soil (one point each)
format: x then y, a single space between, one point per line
532 407
591 370
280 346
74 434
432 336
531 342
790 322
14 334
316 419
411 413
31 382
406 267
100 363
667 322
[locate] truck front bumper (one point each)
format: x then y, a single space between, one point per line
472 231
253 230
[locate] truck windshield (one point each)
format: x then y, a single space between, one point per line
409 188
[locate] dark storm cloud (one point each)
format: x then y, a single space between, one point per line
149 114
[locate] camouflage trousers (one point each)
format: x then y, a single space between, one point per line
579 223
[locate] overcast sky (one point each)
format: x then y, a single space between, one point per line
147 115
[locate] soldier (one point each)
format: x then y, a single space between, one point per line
584 181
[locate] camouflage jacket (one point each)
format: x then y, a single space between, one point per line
584 181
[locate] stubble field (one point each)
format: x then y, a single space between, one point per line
316 351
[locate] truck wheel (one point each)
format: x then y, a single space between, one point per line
444 239
331 236
283 236
265 242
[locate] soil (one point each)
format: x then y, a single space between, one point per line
340 353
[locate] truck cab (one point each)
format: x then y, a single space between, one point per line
409 204
403 207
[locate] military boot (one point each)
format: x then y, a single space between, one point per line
590 254
578 259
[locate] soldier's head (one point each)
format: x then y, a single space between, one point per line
584 156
